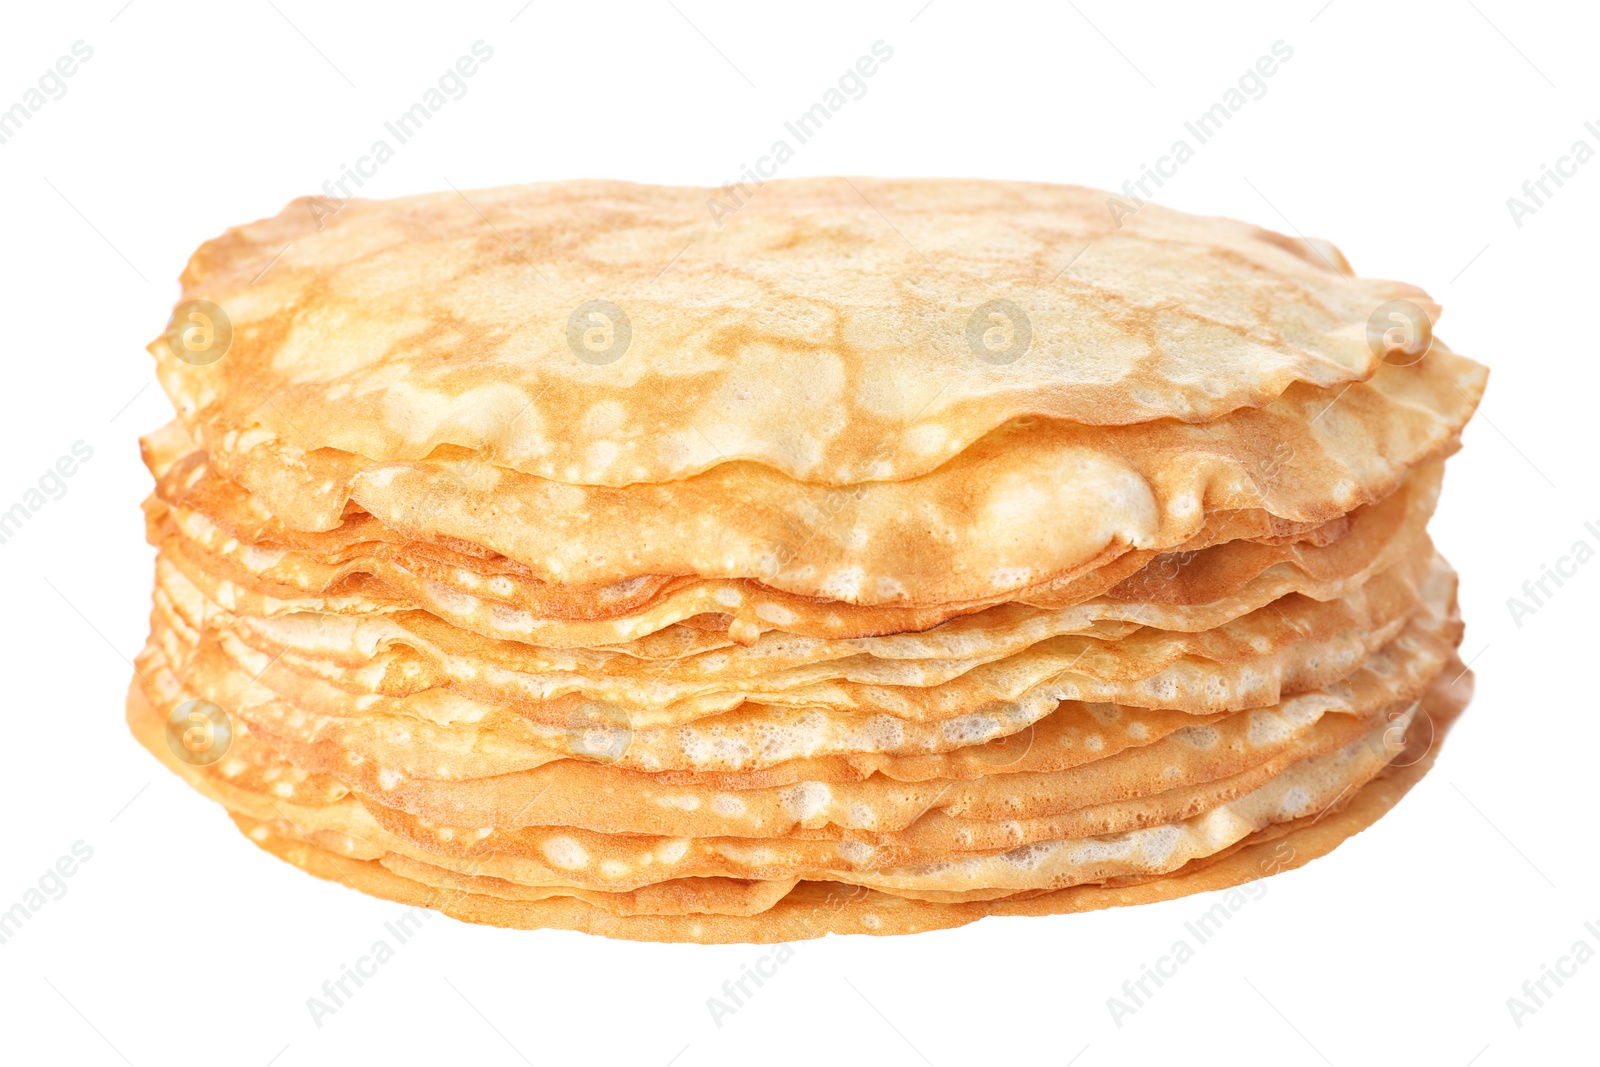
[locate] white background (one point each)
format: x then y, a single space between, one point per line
1396 130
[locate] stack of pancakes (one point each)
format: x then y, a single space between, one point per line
552 558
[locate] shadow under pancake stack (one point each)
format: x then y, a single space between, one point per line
552 556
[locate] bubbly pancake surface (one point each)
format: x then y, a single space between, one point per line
799 612
390 329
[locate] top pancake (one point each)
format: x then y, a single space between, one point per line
835 330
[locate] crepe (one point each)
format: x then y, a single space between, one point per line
810 908
798 576
388 330
1027 505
